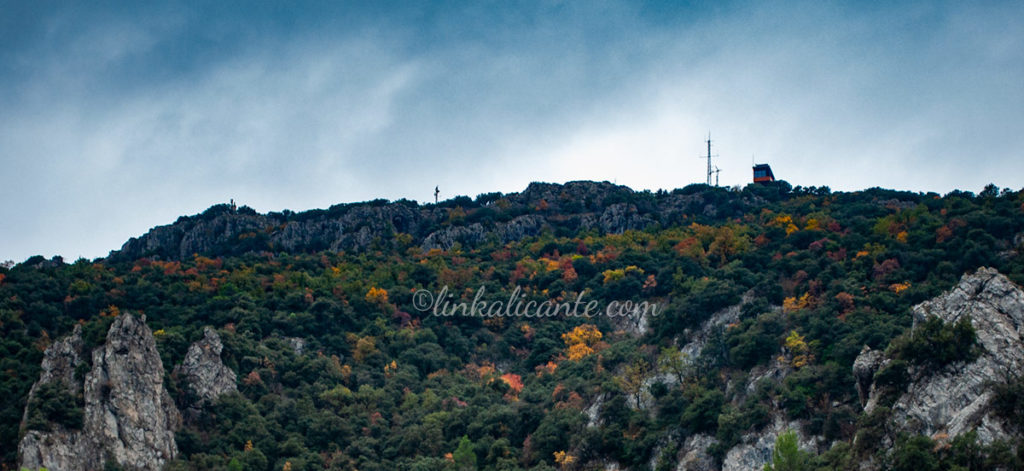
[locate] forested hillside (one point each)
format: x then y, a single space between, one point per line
339 366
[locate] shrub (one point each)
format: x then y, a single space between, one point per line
54 404
934 344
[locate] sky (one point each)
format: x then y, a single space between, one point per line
119 116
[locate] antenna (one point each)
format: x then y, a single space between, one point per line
710 171
709 158
717 170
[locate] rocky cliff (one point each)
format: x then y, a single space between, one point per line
128 417
955 399
942 404
204 372
601 206
59 446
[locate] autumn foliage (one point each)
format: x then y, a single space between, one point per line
580 341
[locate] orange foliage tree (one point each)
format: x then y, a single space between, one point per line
377 295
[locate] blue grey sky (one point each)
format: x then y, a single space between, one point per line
119 116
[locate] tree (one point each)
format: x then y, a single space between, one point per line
377 295
787 455
914 453
580 341
465 458
798 349
633 380
674 362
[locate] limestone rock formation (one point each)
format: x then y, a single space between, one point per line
127 409
868 362
128 417
621 217
58 448
698 338
446 238
956 399
204 371
756 448
60 361
694 456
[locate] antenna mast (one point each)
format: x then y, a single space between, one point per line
708 157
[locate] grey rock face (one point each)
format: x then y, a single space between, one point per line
520 228
473 234
756 449
446 238
129 417
955 400
693 456
204 371
298 345
698 338
868 363
619 218
60 361
58 448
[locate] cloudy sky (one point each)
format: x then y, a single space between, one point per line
117 117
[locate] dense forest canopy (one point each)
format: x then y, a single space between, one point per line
338 369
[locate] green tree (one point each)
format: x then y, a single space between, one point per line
914 453
674 362
465 458
787 455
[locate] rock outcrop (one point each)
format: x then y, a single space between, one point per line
60 361
203 370
698 338
756 448
128 416
58 448
446 238
956 399
694 456
868 363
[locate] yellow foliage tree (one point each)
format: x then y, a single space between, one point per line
620 273
899 287
798 348
579 351
377 295
786 221
563 458
580 341
791 304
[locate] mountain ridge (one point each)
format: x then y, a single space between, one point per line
602 206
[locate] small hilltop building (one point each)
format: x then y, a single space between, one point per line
763 173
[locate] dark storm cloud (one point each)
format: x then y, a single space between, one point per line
121 117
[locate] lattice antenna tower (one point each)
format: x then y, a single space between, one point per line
711 170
